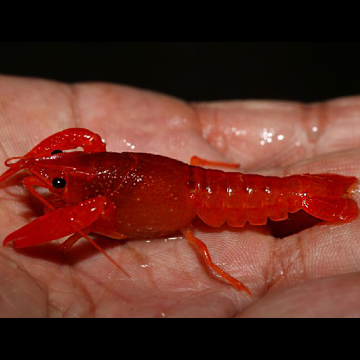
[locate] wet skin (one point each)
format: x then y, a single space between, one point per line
312 273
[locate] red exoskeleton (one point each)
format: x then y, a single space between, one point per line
138 195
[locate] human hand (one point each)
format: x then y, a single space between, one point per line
313 273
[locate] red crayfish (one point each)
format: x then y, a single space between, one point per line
138 195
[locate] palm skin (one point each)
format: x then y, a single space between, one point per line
312 273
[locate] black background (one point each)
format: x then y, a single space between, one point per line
197 71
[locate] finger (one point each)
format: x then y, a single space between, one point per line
142 121
265 263
332 297
346 162
324 250
31 110
129 119
20 294
261 134
258 134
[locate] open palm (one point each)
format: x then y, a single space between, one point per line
312 273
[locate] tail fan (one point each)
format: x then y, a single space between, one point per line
331 201
332 209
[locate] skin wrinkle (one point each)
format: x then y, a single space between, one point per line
315 117
354 258
53 292
91 305
107 288
3 150
201 131
74 99
185 253
276 272
317 294
2 147
53 309
309 116
279 269
301 256
23 272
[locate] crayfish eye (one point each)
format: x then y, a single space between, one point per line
55 152
59 183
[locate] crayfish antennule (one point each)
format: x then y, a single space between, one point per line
15 167
10 162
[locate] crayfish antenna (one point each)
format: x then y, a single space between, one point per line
14 168
97 247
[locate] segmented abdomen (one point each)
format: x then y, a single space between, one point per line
238 198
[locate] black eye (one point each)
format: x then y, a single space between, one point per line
55 152
59 183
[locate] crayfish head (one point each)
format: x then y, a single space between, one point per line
41 167
49 172
69 139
